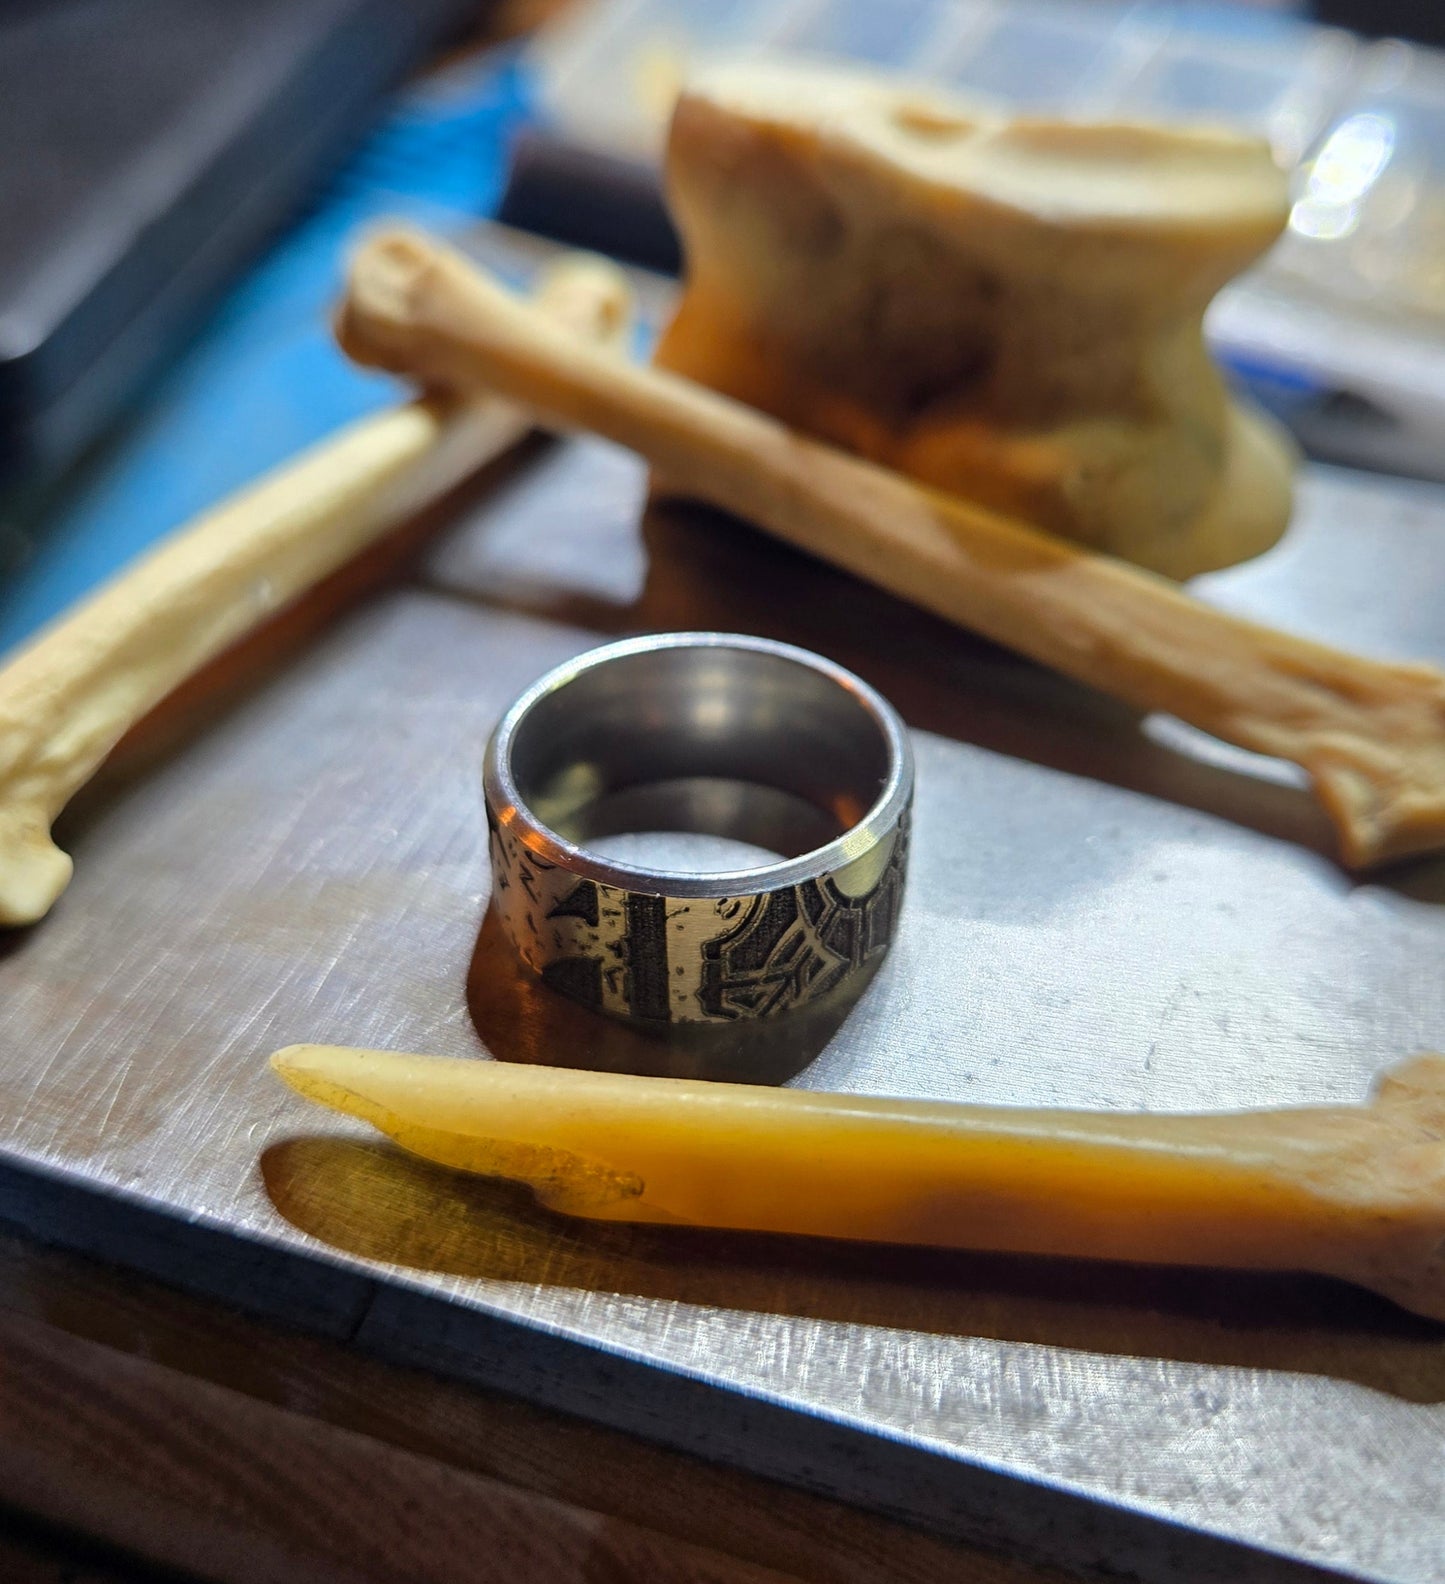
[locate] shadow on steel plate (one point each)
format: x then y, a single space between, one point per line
376 1202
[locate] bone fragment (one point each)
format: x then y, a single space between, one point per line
68 698
1370 734
1356 1192
1007 309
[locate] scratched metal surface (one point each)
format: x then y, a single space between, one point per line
1100 913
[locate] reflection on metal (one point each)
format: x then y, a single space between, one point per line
1352 160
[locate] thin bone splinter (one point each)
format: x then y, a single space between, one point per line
1370 734
67 699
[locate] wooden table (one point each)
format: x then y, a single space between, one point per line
181 1432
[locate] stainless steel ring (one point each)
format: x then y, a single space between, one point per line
722 735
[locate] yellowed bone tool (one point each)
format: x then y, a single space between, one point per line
1356 1192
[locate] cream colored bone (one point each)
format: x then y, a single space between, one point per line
1007 309
1356 1192
1370 734
67 699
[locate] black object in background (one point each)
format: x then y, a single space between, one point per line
585 199
147 148
1421 20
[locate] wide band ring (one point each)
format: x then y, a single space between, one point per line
727 736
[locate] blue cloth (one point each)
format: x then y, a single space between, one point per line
263 378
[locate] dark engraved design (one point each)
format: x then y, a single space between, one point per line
657 959
647 956
580 902
794 946
527 877
580 978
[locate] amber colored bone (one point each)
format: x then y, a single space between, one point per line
69 697
1370 734
1355 1192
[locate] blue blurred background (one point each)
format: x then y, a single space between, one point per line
1363 122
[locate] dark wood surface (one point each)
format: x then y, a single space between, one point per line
182 1433
32 1553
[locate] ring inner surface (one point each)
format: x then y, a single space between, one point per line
753 748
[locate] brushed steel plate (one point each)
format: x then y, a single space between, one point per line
1101 912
